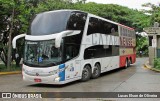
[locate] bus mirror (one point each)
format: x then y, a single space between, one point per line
63 34
15 39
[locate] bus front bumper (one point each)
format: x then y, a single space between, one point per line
53 79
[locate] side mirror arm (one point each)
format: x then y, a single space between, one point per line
15 39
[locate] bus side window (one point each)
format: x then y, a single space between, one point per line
76 21
93 26
101 26
71 51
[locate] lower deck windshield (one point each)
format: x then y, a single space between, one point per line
41 53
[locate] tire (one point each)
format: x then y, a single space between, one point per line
127 64
131 61
96 71
86 73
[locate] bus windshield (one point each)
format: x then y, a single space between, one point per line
42 53
55 22
49 23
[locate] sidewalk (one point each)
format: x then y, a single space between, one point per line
146 65
9 73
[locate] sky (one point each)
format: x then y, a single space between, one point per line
134 4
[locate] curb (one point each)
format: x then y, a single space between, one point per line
9 73
151 68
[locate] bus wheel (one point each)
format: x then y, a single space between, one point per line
127 64
86 73
96 71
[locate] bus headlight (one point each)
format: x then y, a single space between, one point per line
57 79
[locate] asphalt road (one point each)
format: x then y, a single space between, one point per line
133 79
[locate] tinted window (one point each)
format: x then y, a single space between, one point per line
71 46
49 23
72 43
99 51
76 21
100 26
93 26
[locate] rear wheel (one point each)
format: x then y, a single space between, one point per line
128 62
96 71
86 73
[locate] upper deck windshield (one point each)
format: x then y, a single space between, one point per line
54 22
41 53
49 23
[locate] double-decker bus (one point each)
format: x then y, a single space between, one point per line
67 45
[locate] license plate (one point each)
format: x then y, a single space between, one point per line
37 80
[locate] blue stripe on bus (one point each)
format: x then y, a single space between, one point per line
62 73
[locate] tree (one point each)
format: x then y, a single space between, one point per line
154 12
13 21
6 26
24 10
142 44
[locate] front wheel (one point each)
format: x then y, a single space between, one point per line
86 73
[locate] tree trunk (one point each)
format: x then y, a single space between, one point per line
3 57
10 43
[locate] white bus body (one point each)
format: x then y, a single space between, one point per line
74 45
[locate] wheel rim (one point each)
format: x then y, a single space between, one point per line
129 61
96 70
85 73
126 63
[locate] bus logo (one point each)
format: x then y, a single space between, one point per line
37 74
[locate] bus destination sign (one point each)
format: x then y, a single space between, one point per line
152 30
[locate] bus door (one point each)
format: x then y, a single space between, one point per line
72 65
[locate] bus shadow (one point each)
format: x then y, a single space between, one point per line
78 81
117 70
55 85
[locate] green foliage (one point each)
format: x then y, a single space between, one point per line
25 10
157 63
154 12
13 68
142 44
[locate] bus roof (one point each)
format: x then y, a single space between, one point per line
62 10
91 15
